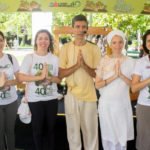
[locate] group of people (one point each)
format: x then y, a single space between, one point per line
80 63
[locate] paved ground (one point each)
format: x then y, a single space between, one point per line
19 52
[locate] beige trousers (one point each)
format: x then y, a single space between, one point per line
81 116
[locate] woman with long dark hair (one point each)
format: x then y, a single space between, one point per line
40 70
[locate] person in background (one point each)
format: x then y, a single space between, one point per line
8 97
40 70
15 43
113 79
78 61
141 82
142 52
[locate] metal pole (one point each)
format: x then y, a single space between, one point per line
90 19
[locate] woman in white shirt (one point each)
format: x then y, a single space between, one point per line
141 82
9 68
40 70
113 79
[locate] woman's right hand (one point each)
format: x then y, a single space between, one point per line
117 68
43 72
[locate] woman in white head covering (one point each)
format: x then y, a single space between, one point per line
113 80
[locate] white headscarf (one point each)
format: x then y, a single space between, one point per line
113 33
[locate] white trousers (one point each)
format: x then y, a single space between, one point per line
81 115
107 145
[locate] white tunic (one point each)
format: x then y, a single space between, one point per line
115 111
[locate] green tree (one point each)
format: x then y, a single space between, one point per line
16 23
127 23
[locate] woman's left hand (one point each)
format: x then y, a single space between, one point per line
48 77
119 69
43 72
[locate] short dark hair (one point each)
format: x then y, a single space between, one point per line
2 34
50 47
144 41
79 18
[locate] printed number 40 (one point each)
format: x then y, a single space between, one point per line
41 91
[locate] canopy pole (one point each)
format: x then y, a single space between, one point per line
89 38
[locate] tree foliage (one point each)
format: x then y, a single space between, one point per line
64 19
16 23
21 23
127 23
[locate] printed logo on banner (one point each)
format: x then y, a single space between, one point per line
3 6
62 4
96 6
122 6
146 8
27 5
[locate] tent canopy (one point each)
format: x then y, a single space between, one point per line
110 6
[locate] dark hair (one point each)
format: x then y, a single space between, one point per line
50 47
2 34
144 41
79 18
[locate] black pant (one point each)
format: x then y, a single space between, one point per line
7 125
43 122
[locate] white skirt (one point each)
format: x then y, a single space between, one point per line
110 146
116 123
